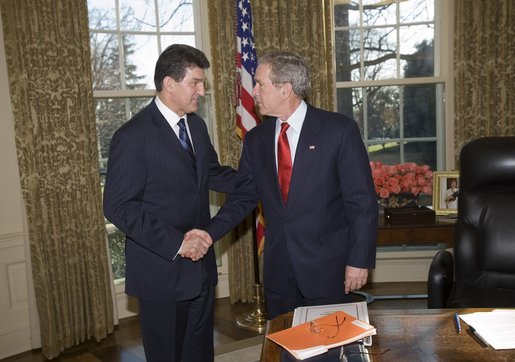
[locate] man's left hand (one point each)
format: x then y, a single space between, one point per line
355 278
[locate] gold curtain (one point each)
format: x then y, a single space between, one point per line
302 26
484 54
48 60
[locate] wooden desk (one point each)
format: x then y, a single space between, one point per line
409 335
439 232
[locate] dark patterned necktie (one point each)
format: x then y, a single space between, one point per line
284 164
185 140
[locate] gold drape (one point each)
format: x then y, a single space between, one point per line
484 69
302 26
48 60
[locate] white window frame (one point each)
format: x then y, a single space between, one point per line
126 305
404 263
443 75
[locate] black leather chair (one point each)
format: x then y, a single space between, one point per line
481 273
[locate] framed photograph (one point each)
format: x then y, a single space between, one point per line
446 190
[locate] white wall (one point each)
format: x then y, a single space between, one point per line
15 334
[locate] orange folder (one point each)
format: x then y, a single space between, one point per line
318 336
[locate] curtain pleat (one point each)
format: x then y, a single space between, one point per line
484 69
303 27
48 60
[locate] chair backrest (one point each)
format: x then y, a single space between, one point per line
485 231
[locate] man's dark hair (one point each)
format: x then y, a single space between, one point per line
174 61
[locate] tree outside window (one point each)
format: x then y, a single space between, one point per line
126 37
386 77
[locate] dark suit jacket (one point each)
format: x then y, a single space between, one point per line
154 194
330 219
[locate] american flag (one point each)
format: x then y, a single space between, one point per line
246 63
246 117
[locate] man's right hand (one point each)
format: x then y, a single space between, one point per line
196 244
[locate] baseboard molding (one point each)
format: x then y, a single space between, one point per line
402 266
14 339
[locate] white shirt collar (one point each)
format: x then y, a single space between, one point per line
297 118
171 117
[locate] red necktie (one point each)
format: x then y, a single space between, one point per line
284 161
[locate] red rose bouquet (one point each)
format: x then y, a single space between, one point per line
391 181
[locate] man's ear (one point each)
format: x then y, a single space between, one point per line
168 84
287 90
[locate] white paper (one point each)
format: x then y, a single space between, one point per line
497 328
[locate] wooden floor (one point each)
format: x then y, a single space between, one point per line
124 344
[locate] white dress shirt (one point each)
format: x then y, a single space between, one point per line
295 121
173 119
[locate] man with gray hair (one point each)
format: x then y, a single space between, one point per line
310 169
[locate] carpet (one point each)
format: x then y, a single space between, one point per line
247 350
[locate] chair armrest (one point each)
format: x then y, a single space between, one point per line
440 279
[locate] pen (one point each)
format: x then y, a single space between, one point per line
457 322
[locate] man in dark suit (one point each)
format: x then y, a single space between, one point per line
318 196
161 167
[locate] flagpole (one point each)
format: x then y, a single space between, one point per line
255 247
246 60
254 320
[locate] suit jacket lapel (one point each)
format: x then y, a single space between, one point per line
199 145
267 148
304 156
168 136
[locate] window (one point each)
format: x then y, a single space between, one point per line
388 77
126 38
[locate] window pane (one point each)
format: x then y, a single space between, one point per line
176 15
105 61
140 60
347 14
379 107
177 39
111 113
419 111
416 10
102 14
347 53
386 152
417 54
383 45
380 53
391 153
137 15
422 153
379 12
398 123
